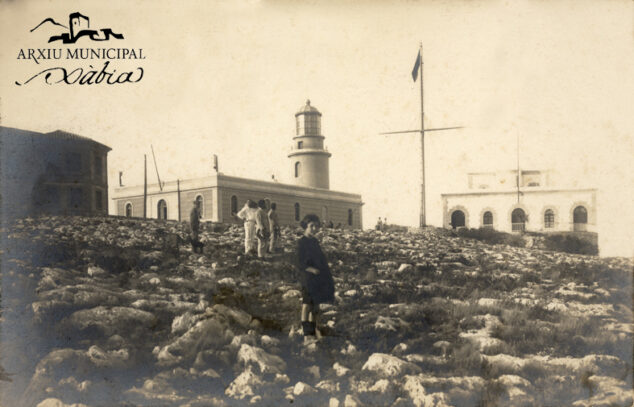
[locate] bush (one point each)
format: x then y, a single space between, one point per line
492 236
572 243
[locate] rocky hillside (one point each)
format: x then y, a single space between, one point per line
112 312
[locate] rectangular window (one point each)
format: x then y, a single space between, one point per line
98 168
98 200
76 198
300 144
73 162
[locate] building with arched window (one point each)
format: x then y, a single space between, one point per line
222 195
495 200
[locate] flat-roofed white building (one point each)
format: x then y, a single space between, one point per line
495 200
221 196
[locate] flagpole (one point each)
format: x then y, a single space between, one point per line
422 140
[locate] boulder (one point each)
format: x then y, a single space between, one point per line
243 385
267 363
389 366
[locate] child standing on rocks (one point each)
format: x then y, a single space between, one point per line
317 283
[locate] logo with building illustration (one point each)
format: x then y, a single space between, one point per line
78 27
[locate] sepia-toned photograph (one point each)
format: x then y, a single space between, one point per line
316 203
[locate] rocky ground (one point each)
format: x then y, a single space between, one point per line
111 312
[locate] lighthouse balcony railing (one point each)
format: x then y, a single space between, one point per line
295 148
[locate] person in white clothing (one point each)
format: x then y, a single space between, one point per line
274 224
247 214
262 228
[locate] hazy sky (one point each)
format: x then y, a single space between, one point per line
227 78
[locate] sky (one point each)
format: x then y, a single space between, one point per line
226 78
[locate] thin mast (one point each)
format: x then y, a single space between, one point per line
517 178
178 197
156 167
422 140
144 186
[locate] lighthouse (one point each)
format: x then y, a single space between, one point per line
309 158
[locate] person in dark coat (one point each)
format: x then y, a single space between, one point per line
194 223
317 283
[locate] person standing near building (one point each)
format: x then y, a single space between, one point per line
194 224
317 283
274 224
247 214
262 228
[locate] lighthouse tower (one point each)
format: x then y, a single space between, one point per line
309 159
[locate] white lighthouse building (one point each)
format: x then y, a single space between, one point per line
221 196
308 155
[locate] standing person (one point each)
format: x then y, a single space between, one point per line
274 224
262 228
194 224
247 214
379 224
317 283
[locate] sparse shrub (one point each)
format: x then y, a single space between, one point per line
492 236
466 359
569 243
587 383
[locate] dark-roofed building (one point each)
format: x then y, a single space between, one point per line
52 173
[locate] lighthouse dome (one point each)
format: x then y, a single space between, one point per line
307 109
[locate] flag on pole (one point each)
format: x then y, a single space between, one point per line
416 66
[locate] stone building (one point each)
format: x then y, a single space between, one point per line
52 173
221 196
495 200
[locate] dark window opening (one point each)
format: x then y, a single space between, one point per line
98 200
98 167
580 219
128 210
162 209
487 219
234 204
73 162
457 219
297 165
300 144
350 214
518 220
549 219
76 198
580 215
297 211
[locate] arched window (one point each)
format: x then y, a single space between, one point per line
487 219
234 204
350 213
580 218
201 205
297 167
518 220
128 210
549 219
457 219
161 209
296 211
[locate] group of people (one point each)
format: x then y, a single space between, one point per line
261 227
381 224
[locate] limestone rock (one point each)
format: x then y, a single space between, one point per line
388 365
266 362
